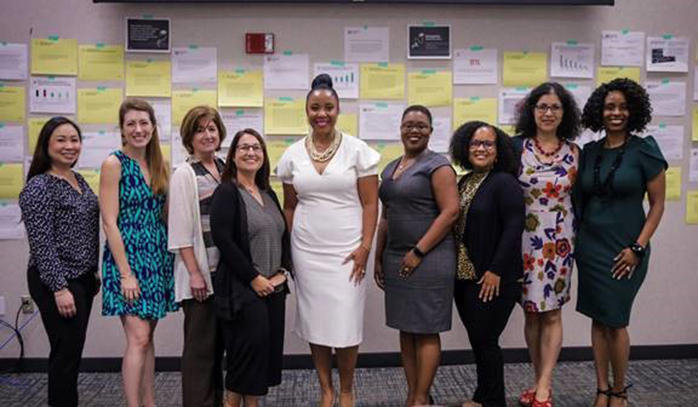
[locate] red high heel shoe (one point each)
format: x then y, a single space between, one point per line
526 397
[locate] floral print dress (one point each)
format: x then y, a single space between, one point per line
548 238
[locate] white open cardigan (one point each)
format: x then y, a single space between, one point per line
184 230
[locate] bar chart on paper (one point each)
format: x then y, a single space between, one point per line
572 60
52 95
345 77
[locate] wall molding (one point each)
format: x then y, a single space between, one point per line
386 359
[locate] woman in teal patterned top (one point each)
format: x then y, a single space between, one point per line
137 268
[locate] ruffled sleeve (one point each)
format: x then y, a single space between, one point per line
652 160
367 160
284 168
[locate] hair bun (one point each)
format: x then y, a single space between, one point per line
322 81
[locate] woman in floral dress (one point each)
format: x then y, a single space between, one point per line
548 120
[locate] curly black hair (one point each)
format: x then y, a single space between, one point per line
636 97
526 121
507 160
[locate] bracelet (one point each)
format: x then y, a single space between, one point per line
638 249
417 252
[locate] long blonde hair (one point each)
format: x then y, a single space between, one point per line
158 167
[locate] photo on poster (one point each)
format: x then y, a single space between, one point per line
148 35
429 42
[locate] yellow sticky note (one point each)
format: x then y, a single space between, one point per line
53 56
673 184
99 105
524 68
430 88
35 126
474 108
388 152
92 179
692 207
695 123
276 148
348 123
101 62
184 100
285 116
12 103
148 78
240 89
605 74
11 180
509 129
382 81
166 151
278 188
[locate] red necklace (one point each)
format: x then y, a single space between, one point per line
547 153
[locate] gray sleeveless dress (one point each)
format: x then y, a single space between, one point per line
422 302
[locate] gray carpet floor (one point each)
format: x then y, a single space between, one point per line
656 383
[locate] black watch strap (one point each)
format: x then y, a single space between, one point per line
638 249
417 252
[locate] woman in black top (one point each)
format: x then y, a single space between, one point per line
61 215
488 239
248 228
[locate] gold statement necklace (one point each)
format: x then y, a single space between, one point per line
326 154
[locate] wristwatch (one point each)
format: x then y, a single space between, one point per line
417 252
638 249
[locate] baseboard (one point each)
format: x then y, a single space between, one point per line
386 359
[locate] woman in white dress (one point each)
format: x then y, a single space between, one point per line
331 206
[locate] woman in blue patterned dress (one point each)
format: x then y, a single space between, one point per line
548 121
137 268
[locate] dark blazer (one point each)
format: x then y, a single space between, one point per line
494 227
235 270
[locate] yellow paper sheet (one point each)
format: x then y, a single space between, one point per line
474 108
99 105
695 123
278 188
509 129
388 152
184 100
430 88
692 207
348 123
12 103
605 74
11 180
673 184
382 81
240 88
35 126
92 178
285 116
53 56
524 68
276 147
148 78
101 62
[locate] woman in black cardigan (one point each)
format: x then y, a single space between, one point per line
488 238
248 228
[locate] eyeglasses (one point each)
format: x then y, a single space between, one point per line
487 144
543 108
256 148
421 127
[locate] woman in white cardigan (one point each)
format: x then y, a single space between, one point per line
189 237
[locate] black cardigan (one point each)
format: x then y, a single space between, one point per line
235 270
494 227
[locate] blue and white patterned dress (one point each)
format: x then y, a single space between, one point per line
144 234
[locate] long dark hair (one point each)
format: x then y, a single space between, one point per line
41 161
569 125
230 172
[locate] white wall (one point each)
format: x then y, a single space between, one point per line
664 312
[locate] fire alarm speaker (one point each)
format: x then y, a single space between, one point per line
259 43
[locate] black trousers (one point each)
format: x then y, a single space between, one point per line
202 357
485 322
254 346
66 335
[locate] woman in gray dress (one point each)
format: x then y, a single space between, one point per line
415 252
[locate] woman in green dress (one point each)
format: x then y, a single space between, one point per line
614 233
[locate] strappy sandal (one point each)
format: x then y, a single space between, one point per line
623 394
600 392
526 397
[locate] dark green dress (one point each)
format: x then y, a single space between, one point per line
610 223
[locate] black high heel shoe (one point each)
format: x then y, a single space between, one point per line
600 392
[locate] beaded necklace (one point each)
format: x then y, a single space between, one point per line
326 154
546 153
605 189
